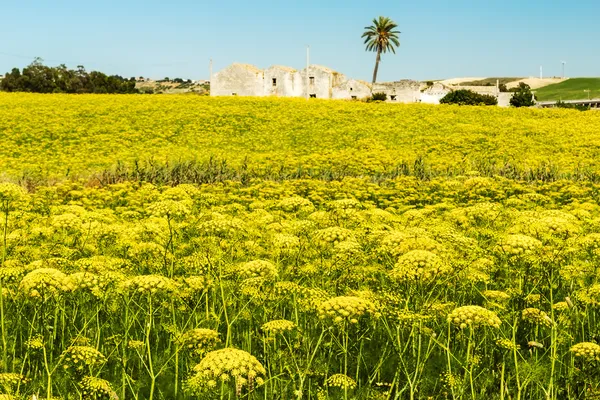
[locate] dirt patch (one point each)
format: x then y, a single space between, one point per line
536 83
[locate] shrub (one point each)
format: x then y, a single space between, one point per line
469 98
523 96
378 97
580 107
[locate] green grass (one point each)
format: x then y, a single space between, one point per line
571 89
490 81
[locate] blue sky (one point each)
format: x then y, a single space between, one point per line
440 39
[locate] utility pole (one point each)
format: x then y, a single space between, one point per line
541 72
307 65
563 68
588 92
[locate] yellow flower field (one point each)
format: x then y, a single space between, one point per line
327 250
61 135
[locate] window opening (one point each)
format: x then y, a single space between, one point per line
393 97
312 80
313 96
274 82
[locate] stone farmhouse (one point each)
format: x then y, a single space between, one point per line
324 83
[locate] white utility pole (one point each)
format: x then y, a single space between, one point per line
563 68
541 72
307 65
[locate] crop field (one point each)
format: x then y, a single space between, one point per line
45 138
158 247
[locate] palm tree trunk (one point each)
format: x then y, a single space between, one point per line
376 68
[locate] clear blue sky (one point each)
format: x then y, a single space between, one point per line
440 38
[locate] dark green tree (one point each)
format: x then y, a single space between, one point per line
523 96
469 98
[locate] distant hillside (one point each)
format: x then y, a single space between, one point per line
489 81
175 86
571 89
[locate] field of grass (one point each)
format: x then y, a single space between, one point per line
327 250
571 89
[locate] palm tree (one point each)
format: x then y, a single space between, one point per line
381 37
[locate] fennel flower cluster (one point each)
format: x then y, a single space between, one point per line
507 344
587 350
295 204
473 316
419 265
258 269
10 275
347 249
44 282
347 309
10 192
285 242
12 380
344 204
86 281
221 227
35 342
170 208
76 358
309 299
227 365
93 388
278 327
334 235
589 295
194 285
150 284
199 339
517 245
67 222
536 316
496 295
341 381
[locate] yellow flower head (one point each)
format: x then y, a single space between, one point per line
473 316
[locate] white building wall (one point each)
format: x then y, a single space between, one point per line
238 80
288 82
323 81
351 89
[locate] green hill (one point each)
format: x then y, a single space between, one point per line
571 89
490 81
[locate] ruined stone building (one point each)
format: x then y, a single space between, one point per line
320 82
324 83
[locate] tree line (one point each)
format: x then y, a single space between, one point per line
39 78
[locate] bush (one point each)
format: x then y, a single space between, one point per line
523 96
378 97
469 98
580 107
